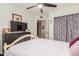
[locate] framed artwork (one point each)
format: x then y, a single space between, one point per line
16 17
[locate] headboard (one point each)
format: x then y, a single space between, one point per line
12 36
18 40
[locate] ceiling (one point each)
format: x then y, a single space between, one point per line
36 10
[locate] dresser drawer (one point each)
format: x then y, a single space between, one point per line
10 37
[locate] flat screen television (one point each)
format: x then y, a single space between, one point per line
18 26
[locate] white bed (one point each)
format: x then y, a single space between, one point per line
39 47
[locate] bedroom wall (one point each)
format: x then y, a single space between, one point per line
60 12
6 11
6 15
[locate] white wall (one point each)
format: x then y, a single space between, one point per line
6 11
60 12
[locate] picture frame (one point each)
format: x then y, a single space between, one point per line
16 17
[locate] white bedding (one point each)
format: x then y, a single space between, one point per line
39 47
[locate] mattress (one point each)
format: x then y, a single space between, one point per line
39 47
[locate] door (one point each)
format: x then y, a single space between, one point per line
41 28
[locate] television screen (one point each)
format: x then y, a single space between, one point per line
18 26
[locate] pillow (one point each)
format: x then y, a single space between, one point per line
74 50
73 41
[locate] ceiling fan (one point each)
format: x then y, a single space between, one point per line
40 5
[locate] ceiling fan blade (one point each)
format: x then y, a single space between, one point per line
49 5
41 10
31 6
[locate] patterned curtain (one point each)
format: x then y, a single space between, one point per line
56 28
69 27
60 28
66 27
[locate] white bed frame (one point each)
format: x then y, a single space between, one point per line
6 46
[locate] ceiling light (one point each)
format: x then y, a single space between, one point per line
40 6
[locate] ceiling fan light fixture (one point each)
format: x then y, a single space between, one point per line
40 6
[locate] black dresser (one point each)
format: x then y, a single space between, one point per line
12 36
